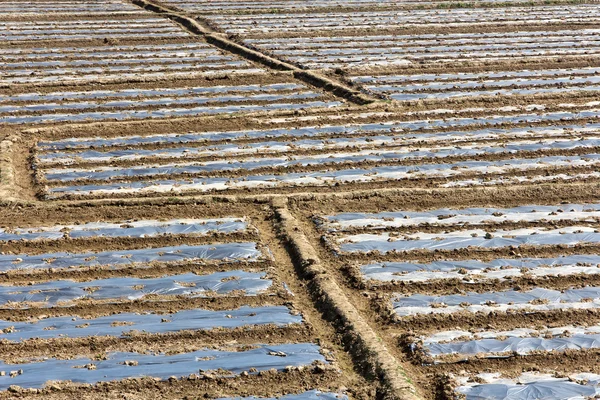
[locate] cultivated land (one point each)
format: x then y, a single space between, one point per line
303 200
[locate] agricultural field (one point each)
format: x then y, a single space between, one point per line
299 200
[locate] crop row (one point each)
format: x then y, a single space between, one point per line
405 88
156 103
90 29
218 7
528 385
453 255
388 50
67 7
322 156
332 21
121 62
224 268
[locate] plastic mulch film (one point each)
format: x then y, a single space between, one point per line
64 293
157 92
124 365
460 345
530 386
162 112
462 76
223 252
135 229
538 299
374 174
198 168
119 325
47 156
106 70
475 270
476 238
61 158
182 101
310 395
303 22
469 216
84 7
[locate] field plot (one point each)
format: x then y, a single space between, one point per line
380 51
274 6
204 6
331 21
158 102
447 152
67 7
492 286
46 62
528 385
60 29
353 199
119 63
553 82
188 300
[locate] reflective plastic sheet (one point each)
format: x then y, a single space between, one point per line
66 292
310 395
476 271
133 229
534 300
475 238
262 358
224 252
120 324
466 216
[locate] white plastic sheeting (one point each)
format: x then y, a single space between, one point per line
156 92
500 92
461 345
535 300
530 386
516 179
385 128
132 229
385 173
435 79
167 101
357 61
162 112
298 22
24 55
154 103
140 258
68 7
287 161
89 29
438 52
466 216
302 45
477 271
261 357
445 146
568 81
66 292
474 238
135 71
215 6
310 395
119 325
172 73
356 51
